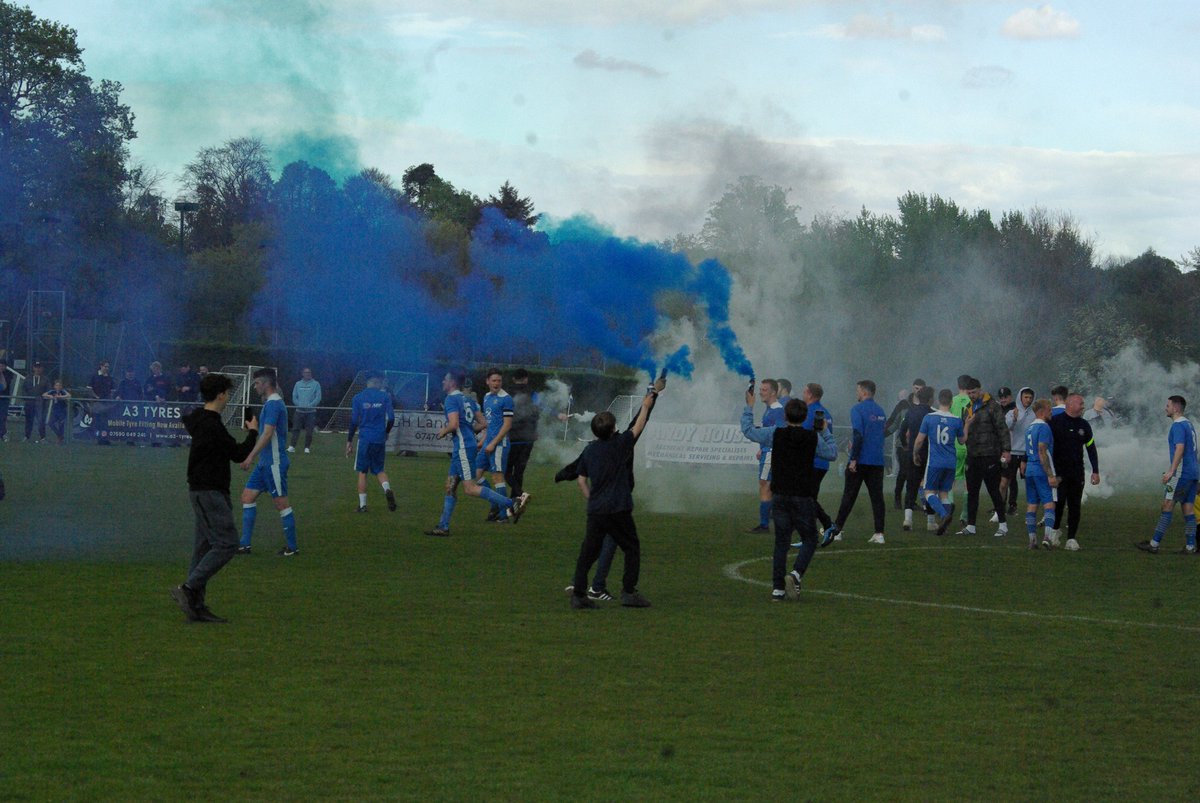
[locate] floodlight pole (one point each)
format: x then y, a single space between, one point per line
184 208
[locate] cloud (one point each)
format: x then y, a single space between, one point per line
866 26
591 60
987 76
1041 23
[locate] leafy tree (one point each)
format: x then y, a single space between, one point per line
232 184
439 199
750 224
63 144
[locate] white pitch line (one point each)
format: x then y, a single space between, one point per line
733 572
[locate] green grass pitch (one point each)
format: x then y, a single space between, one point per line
383 664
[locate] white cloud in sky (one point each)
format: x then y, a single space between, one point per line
867 26
591 60
1043 22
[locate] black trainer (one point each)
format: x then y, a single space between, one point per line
758 528
205 614
582 603
288 551
243 550
438 532
391 499
1148 546
634 599
362 508
185 598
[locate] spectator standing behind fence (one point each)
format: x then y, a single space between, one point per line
187 384
306 398
158 385
524 432
102 385
6 386
157 388
35 408
58 397
129 389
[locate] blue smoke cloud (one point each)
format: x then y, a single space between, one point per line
359 269
713 284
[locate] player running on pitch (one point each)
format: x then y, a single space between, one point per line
944 431
460 419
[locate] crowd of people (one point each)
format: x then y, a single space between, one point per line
969 442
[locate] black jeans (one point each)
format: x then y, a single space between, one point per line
1070 498
792 514
622 529
518 458
822 516
873 477
985 470
216 538
35 416
916 476
903 462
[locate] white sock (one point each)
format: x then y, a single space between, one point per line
362 500
387 486
908 516
1003 528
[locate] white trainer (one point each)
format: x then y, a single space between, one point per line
1072 545
307 450
995 519
877 538
291 449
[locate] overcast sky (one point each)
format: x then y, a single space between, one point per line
640 112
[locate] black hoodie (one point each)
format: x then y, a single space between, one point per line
213 449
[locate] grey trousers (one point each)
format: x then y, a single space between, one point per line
216 538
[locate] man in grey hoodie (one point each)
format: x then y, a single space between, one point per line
1018 418
306 398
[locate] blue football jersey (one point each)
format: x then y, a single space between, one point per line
1183 432
773 417
496 407
943 430
370 412
456 402
274 412
868 419
1037 433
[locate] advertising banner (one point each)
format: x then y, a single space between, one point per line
708 444
416 431
133 421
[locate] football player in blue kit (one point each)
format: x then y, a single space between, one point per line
270 461
372 416
944 431
460 420
1180 479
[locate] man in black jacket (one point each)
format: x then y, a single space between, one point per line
526 411
988 453
213 449
1072 435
